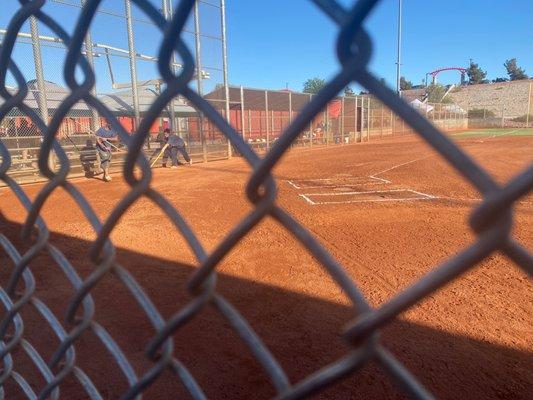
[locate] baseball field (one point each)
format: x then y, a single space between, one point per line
389 211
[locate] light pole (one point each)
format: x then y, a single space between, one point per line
399 56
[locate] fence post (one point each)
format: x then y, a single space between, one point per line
266 118
290 107
94 125
355 120
133 64
199 76
249 124
528 105
225 67
310 125
342 120
167 14
326 124
272 124
242 114
290 110
363 116
368 121
39 75
382 120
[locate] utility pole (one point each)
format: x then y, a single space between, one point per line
399 55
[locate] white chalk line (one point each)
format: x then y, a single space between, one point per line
385 181
506 133
400 165
366 192
307 199
421 196
373 200
348 181
293 184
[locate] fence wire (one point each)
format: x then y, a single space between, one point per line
491 220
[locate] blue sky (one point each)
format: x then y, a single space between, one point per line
277 42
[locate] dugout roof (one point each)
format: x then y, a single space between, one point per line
278 100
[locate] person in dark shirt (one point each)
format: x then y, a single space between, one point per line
175 145
104 136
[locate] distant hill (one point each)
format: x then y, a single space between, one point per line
512 97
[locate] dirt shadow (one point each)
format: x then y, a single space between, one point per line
304 334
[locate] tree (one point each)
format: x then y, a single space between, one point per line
475 74
498 80
314 85
348 92
405 84
436 94
514 71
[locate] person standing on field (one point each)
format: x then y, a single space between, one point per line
104 136
175 145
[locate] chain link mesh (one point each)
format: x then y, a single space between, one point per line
491 220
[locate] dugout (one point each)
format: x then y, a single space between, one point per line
262 115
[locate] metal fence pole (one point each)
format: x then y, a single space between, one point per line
167 14
250 123
225 66
290 107
94 123
327 127
199 76
368 121
381 111
363 116
528 105
310 125
39 75
391 123
266 118
342 120
174 119
242 113
355 119
133 64
272 124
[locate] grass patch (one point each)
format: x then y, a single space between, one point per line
486 133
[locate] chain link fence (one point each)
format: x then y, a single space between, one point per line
489 105
261 116
491 221
127 82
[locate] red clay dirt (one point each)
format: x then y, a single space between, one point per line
471 339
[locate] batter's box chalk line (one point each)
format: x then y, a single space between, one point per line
372 196
337 181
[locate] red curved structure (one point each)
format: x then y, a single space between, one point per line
438 71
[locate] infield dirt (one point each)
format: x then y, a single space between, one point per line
471 339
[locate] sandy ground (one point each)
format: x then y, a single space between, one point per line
472 339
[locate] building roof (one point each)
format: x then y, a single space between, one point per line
55 96
120 103
254 99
